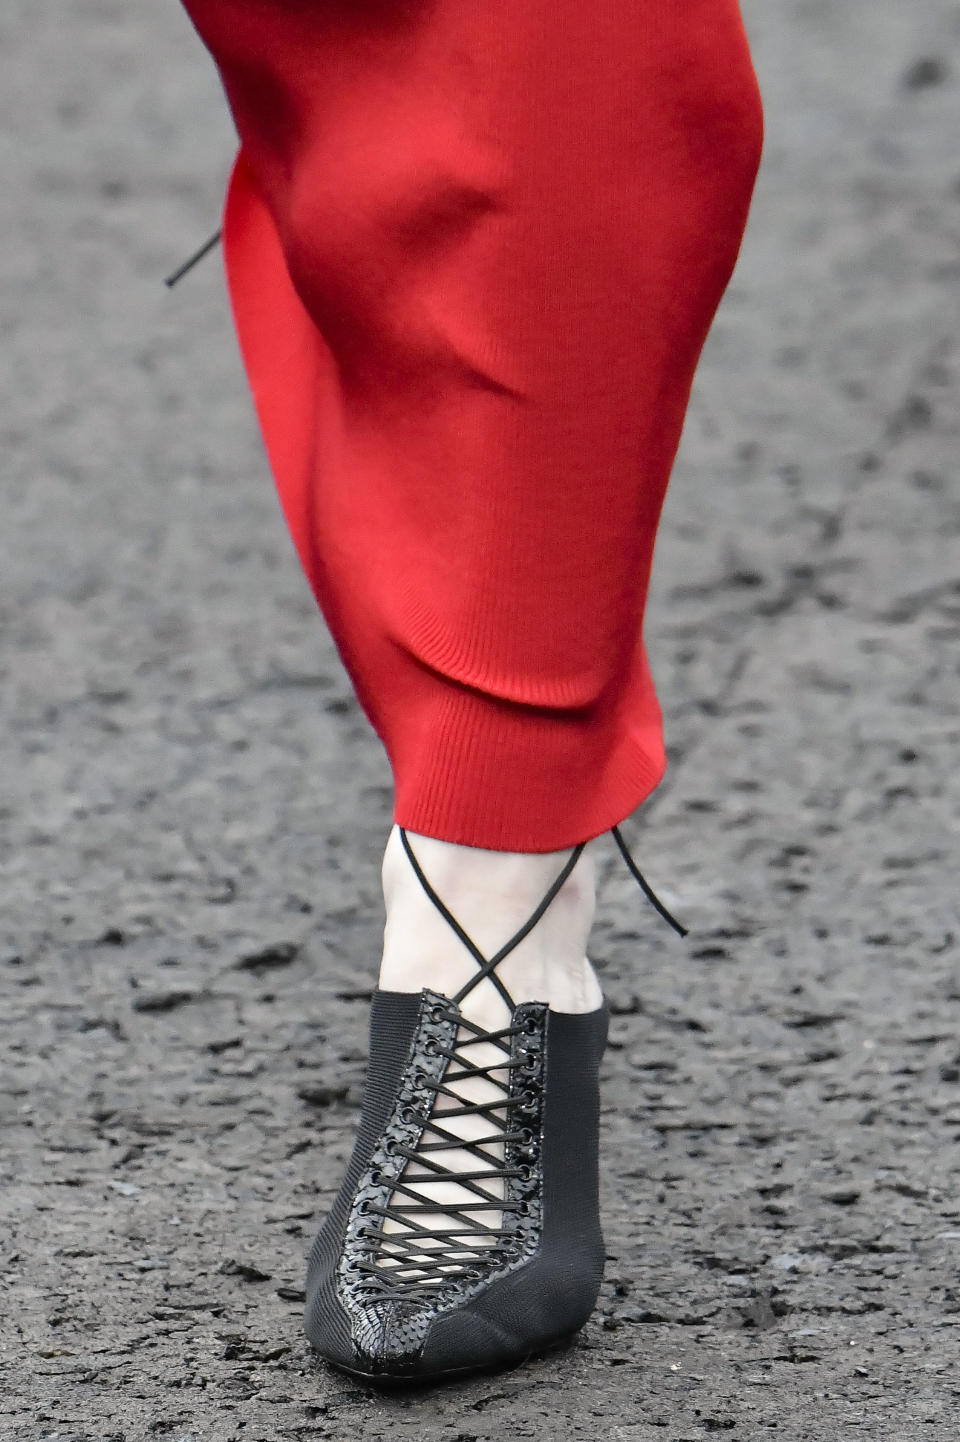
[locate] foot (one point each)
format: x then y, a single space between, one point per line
491 894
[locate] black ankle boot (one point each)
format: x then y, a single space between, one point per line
390 1297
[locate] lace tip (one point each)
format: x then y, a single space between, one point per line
646 888
171 280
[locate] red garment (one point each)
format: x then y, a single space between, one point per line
473 252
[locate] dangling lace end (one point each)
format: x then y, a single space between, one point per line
193 260
645 886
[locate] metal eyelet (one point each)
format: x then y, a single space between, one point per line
409 1116
530 1026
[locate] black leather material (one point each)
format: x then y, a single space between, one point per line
527 1308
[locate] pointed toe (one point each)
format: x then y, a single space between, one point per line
389 1337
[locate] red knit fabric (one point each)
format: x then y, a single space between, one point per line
473 252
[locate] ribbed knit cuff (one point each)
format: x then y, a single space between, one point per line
483 773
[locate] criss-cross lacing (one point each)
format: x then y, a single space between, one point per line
418 1257
405 1255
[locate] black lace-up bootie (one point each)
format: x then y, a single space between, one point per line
403 1286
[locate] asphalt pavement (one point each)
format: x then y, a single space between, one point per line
192 807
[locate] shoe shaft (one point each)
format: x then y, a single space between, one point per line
548 1283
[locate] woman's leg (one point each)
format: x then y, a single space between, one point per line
473 252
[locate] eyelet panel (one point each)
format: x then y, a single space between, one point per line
381 1318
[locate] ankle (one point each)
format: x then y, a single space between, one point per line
491 894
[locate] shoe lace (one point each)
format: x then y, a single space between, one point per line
177 275
412 1258
478 1228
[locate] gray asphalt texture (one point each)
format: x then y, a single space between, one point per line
193 808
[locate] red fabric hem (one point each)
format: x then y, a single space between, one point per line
468 768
